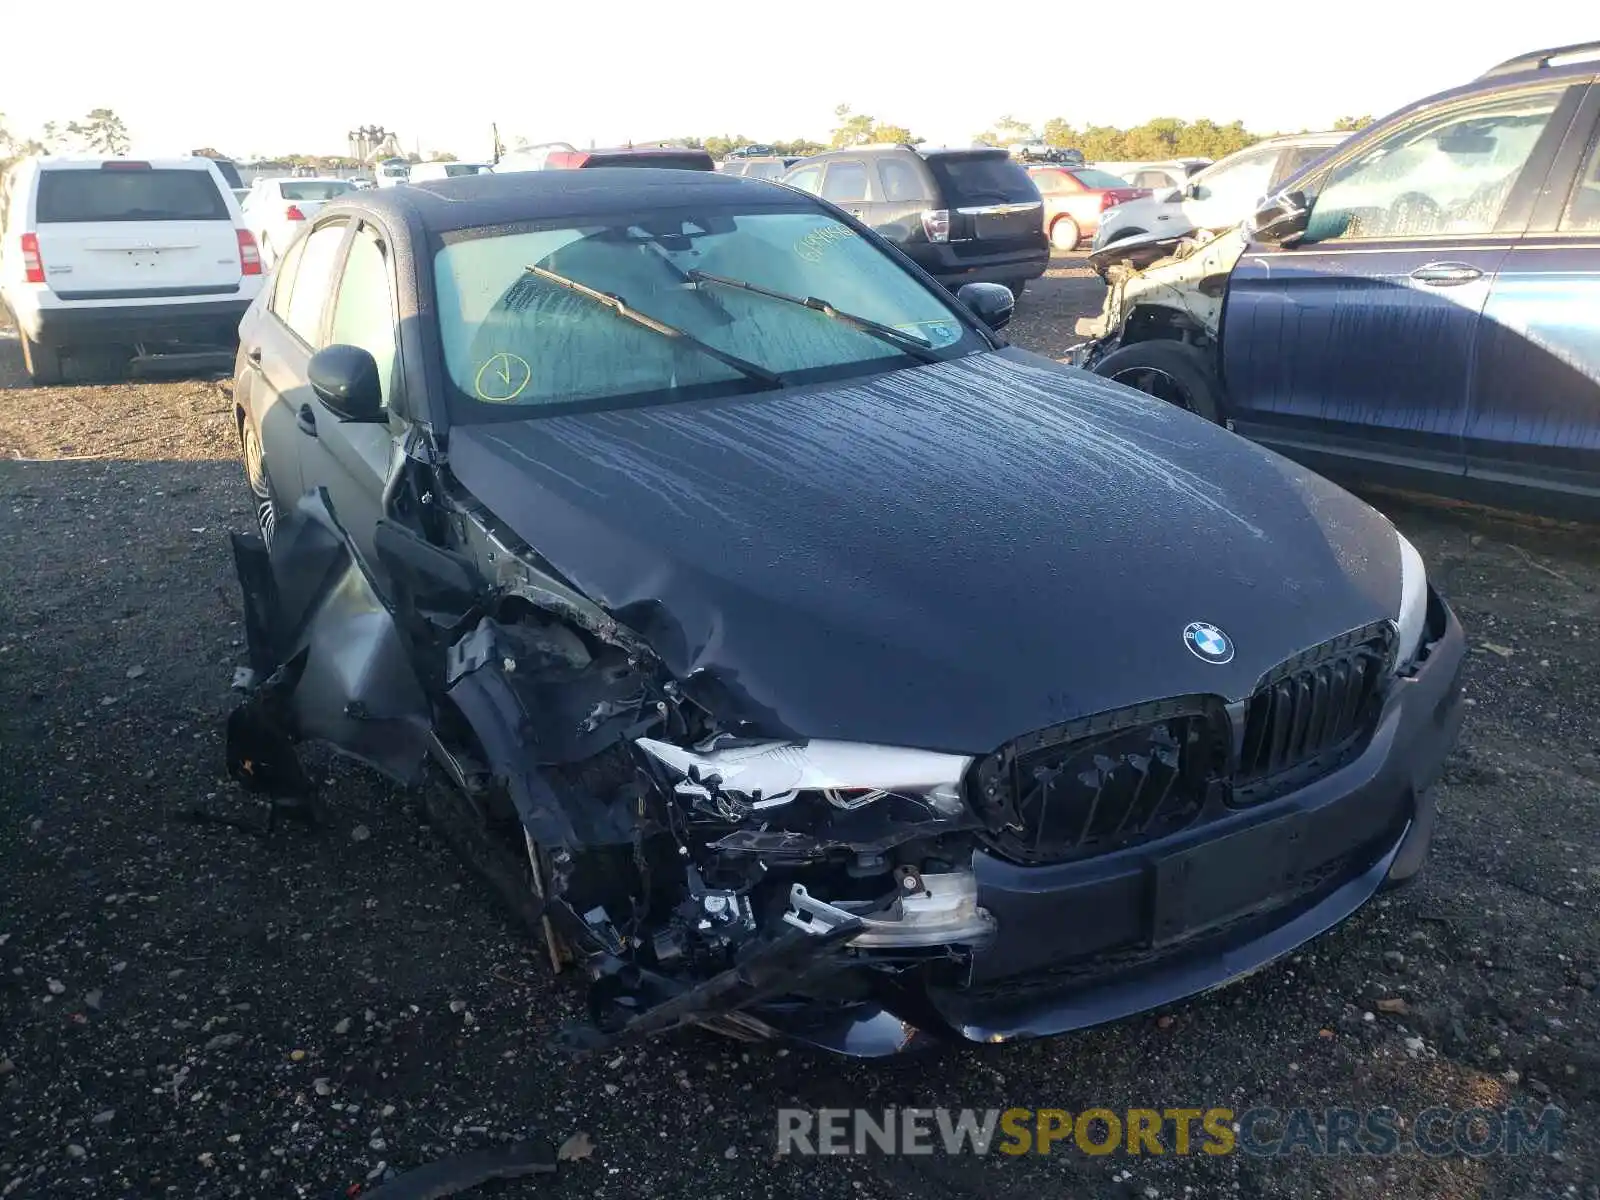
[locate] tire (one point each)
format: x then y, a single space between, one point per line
1172 371
263 503
1065 235
43 362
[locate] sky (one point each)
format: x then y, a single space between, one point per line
264 78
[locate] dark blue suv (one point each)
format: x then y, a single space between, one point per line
1420 307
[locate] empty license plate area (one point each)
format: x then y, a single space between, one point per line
1206 885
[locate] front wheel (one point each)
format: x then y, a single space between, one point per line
1176 372
262 502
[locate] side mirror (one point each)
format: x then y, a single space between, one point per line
345 378
1170 195
991 303
1281 219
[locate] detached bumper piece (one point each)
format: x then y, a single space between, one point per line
330 661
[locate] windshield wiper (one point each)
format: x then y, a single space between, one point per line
910 343
620 306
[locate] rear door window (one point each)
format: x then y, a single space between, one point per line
283 280
807 179
1583 208
845 182
981 179
900 180
130 194
311 279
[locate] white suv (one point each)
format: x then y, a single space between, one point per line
113 257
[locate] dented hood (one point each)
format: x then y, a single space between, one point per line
943 556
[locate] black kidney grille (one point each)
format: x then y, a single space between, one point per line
1312 712
1087 787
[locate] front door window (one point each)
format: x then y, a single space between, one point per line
1448 174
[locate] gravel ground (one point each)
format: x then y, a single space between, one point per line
196 1009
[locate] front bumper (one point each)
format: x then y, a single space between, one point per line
1087 942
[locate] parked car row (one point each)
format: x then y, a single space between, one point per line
963 215
1417 305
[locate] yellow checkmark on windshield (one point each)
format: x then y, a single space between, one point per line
501 378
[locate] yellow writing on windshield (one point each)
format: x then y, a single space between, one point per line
819 239
502 377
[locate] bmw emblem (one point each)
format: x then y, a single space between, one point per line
1207 642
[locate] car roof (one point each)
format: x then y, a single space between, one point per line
93 161
468 201
1331 137
1535 66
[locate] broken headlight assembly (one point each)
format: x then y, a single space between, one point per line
883 832
736 779
1411 618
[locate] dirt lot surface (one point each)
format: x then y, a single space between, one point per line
197 1010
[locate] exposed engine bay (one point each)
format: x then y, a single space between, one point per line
1160 288
691 869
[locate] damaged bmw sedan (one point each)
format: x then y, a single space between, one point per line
798 658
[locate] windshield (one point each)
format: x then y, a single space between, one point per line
1091 178
515 341
314 189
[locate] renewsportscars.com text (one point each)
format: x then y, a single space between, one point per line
1260 1132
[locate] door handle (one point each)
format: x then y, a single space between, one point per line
306 420
254 355
1446 274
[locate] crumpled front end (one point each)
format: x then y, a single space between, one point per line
668 835
1159 287
695 875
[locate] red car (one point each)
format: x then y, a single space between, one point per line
677 157
1074 198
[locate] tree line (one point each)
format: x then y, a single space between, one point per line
101 131
1158 138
